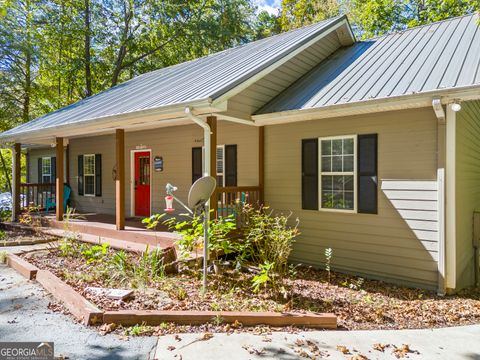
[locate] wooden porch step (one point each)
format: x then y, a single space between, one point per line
114 243
130 234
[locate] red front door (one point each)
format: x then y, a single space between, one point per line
142 183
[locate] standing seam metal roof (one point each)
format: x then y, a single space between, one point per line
200 79
441 55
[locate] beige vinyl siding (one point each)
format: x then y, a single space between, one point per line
34 154
265 89
467 188
400 243
175 145
104 145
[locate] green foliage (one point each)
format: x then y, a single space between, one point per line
268 238
3 235
69 247
192 229
138 330
3 257
264 277
376 17
150 266
298 13
95 253
153 221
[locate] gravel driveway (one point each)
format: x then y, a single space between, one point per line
24 316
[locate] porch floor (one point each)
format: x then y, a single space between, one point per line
103 226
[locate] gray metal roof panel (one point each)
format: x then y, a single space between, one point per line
205 78
441 55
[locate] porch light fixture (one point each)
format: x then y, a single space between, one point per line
456 106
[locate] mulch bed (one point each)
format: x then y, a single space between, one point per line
358 303
22 237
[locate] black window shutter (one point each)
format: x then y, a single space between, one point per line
310 174
196 164
230 165
80 174
40 174
53 169
98 174
367 173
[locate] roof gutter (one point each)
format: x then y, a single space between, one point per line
401 102
165 114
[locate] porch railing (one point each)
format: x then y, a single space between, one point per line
33 194
231 198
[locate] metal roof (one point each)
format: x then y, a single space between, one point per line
438 56
205 78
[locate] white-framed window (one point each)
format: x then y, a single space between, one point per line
338 173
221 165
46 170
89 175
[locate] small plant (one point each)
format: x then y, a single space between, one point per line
95 252
3 235
215 307
153 221
328 260
30 217
357 284
138 330
150 267
181 294
268 238
191 230
218 320
3 257
163 326
264 277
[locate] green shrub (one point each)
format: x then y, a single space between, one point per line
268 238
95 252
264 277
3 235
191 230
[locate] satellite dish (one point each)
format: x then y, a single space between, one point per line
201 191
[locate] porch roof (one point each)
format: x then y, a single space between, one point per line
432 59
167 91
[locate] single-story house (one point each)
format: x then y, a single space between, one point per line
374 145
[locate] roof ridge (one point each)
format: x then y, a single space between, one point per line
419 26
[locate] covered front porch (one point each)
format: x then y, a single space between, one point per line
130 159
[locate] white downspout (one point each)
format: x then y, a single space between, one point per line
206 138
441 161
206 172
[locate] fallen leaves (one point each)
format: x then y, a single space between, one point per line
379 347
402 351
107 328
343 349
206 336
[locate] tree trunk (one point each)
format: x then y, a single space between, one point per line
28 65
6 171
122 51
88 72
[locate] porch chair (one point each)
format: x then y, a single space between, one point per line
51 202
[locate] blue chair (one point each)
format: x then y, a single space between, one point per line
51 202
